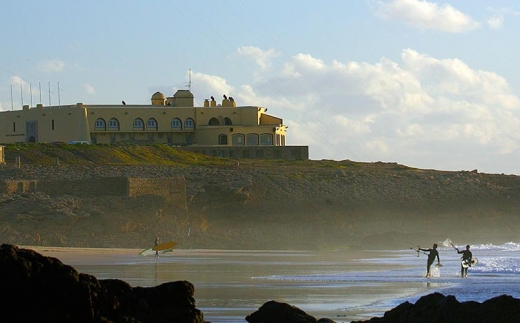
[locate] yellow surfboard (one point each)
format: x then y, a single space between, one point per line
165 246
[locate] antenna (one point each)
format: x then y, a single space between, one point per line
50 105
21 93
30 90
189 82
11 97
40 87
59 98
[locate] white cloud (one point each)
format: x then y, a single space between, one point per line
420 110
213 85
427 15
495 22
17 80
498 16
51 66
90 89
262 58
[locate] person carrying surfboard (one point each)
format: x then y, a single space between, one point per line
467 259
433 253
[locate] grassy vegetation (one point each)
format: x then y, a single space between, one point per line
129 154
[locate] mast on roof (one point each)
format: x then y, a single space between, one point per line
189 79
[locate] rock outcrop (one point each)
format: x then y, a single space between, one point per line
432 308
436 308
274 312
34 288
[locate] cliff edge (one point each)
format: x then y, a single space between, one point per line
253 204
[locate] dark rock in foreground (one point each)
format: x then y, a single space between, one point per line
34 288
435 308
276 312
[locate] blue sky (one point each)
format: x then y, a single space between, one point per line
426 84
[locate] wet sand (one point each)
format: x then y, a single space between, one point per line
231 284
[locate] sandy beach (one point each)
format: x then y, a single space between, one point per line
230 284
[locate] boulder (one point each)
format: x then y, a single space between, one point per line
35 288
435 307
275 312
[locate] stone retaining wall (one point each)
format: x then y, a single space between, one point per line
172 189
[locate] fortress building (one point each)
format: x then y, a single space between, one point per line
223 129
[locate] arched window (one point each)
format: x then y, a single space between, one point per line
151 124
252 139
228 121
189 123
222 139
113 124
100 124
266 139
213 122
238 139
138 124
176 124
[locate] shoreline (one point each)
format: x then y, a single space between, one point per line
206 268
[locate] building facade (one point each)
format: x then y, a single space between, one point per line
167 120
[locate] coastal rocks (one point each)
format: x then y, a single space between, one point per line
436 307
274 312
35 288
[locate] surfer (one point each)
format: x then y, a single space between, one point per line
466 258
156 244
431 258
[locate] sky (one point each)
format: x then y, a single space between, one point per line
426 84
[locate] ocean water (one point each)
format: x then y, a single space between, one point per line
232 284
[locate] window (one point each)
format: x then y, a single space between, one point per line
113 124
213 122
189 124
228 121
138 124
252 139
238 139
222 139
176 124
100 124
266 139
151 124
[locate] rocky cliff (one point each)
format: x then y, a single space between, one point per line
257 204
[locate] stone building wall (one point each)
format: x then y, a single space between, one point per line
252 152
173 189
18 186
